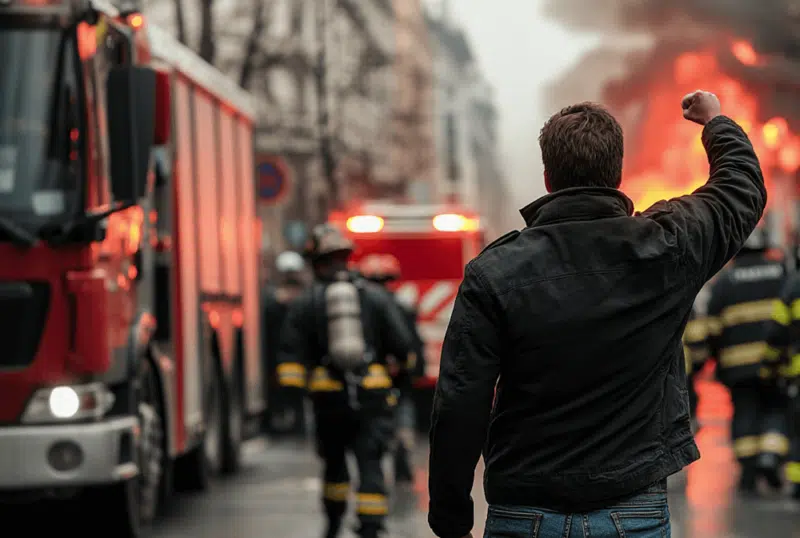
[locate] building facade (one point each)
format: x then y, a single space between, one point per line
272 48
466 133
414 158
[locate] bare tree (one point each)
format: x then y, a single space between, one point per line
252 46
180 21
207 49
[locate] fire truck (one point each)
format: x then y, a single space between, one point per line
433 244
128 282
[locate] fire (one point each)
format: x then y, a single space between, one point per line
745 53
665 156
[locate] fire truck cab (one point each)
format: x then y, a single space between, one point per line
128 282
433 244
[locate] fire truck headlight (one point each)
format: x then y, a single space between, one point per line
65 403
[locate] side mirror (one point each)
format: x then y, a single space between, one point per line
131 109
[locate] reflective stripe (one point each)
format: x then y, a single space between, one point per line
793 472
696 331
749 312
772 354
781 314
742 355
746 447
292 374
372 504
377 378
411 361
796 309
714 326
321 381
337 492
792 369
774 443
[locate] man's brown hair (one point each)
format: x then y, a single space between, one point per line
582 146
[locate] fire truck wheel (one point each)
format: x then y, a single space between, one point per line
232 429
132 505
214 440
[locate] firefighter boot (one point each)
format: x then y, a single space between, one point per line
369 531
333 527
768 465
747 480
402 465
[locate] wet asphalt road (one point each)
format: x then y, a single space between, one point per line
276 496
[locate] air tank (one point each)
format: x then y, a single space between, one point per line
346 345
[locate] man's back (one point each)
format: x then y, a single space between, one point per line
595 302
563 356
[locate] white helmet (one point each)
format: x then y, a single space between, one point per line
758 240
289 262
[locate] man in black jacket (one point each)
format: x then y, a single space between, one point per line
563 357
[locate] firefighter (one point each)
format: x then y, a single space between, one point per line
384 269
286 407
695 349
335 343
740 304
784 351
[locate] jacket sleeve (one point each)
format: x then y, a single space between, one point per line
293 354
469 369
712 224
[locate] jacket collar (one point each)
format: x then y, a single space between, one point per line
577 203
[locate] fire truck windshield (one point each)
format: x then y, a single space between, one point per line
39 127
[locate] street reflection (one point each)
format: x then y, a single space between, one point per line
711 482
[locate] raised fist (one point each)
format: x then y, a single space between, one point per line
700 107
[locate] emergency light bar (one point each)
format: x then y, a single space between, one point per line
451 222
444 222
363 224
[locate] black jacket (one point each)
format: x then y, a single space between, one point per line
577 320
304 346
783 334
739 311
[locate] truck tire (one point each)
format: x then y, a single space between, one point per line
194 469
129 507
232 429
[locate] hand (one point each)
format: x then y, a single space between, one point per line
469 536
700 107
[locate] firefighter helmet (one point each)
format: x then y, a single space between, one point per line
759 239
391 267
326 240
371 267
380 267
289 262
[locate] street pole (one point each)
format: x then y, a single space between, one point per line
323 112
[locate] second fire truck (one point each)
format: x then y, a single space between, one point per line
128 281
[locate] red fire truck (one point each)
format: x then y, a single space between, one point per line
128 280
433 243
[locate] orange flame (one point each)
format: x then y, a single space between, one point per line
665 157
744 52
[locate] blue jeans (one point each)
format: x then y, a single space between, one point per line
644 515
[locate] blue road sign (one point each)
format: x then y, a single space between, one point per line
273 179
